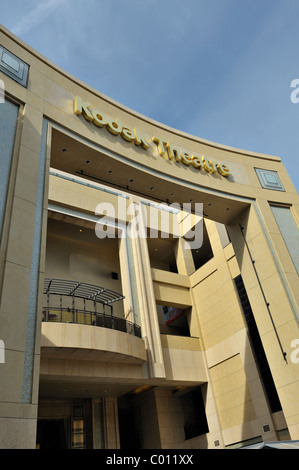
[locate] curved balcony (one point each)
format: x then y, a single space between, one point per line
86 304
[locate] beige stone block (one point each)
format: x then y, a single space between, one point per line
10 410
273 349
32 128
17 433
294 431
261 407
237 433
80 196
236 416
219 352
20 241
292 282
36 83
240 342
14 89
175 296
166 277
213 420
217 328
11 374
229 251
220 371
184 258
279 420
59 96
69 121
278 301
289 337
260 251
184 365
251 224
14 308
282 253
253 379
288 396
35 101
203 273
27 175
80 340
258 304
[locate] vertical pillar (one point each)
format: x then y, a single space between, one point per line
184 258
111 425
19 314
126 280
272 305
145 291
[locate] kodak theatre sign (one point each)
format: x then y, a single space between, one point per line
166 149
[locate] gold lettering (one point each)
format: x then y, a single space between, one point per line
161 146
165 149
209 166
82 108
127 134
222 169
196 162
114 126
173 152
140 140
186 158
99 118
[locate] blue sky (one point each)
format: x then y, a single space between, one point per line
217 69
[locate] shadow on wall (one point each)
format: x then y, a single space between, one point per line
258 387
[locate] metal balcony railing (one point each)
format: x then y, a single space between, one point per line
61 291
87 317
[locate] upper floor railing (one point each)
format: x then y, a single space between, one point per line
63 297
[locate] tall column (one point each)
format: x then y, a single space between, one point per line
271 302
184 258
126 281
144 291
111 427
20 284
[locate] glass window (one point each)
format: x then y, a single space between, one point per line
289 231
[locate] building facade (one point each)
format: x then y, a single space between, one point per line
149 278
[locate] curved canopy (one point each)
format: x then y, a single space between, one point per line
274 445
82 290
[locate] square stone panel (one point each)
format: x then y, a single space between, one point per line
14 67
269 179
